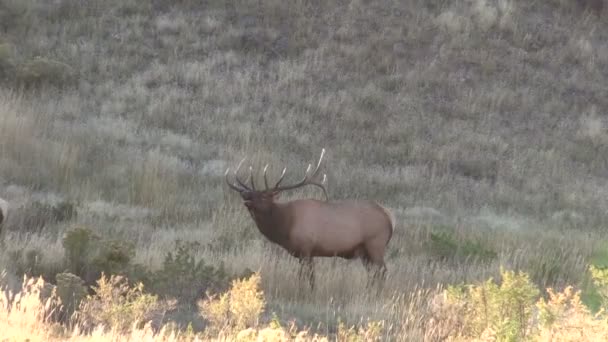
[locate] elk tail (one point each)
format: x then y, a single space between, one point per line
391 217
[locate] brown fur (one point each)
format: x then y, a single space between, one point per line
308 228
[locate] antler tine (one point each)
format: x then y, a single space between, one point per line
322 186
237 177
266 178
251 178
239 189
307 178
319 163
281 178
242 187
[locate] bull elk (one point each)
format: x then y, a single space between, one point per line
308 228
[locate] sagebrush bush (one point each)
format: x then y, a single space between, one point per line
447 248
118 305
71 291
44 71
184 277
79 244
238 308
114 257
88 255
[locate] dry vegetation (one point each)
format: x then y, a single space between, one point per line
482 125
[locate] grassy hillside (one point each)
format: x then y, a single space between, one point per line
481 124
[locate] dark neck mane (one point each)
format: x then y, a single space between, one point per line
274 224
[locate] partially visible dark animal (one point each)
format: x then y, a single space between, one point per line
3 216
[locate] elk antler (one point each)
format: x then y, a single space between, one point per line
307 180
241 186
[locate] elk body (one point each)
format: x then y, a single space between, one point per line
309 228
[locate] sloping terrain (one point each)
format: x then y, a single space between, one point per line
481 124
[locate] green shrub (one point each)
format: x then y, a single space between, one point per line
43 71
593 286
88 256
114 257
78 244
599 275
444 246
184 277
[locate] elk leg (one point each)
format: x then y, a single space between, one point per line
311 273
380 275
376 275
306 263
374 251
376 268
368 269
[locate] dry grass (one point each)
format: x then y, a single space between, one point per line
482 119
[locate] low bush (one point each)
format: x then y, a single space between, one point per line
117 305
42 71
88 256
445 247
184 277
503 309
36 216
512 309
235 310
71 291
78 244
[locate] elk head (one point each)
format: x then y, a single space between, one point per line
262 200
